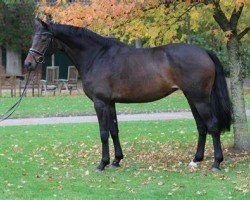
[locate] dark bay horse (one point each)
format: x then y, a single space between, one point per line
114 72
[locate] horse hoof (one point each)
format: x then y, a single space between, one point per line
98 170
115 165
215 169
193 164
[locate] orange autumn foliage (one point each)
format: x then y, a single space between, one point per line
84 14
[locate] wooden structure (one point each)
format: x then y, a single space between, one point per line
35 78
60 60
10 82
52 80
70 83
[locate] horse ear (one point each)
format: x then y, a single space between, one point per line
40 23
49 18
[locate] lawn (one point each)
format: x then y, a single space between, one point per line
81 105
58 162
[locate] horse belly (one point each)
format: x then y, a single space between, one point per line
135 92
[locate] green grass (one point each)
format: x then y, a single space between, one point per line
58 162
81 105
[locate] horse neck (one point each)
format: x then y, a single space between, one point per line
81 50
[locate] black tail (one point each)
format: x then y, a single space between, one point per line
220 101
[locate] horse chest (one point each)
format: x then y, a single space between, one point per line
94 87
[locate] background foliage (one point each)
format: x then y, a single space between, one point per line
16 23
155 22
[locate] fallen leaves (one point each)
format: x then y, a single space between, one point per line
160 183
87 173
174 157
201 193
148 163
193 169
175 188
243 188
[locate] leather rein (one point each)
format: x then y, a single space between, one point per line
39 58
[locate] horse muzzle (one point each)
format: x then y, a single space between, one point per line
29 66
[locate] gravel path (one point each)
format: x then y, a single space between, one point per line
82 119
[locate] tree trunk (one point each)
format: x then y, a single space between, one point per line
241 135
1 62
14 62
1 59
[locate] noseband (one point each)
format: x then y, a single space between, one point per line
39 59
38 56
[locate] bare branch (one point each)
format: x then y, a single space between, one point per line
186 11
243 33
131 18
236 16
220 16
180 16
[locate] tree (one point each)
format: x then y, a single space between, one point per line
16 19
1 60
126 20
1 25
233 35
15 23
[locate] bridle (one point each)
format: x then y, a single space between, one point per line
38 56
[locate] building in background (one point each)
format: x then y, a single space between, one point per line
61 60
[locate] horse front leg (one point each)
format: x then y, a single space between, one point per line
102 111
114 131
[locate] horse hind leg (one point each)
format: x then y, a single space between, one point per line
203 107
202 130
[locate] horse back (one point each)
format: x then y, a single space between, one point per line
143 75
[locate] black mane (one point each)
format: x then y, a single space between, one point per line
86 33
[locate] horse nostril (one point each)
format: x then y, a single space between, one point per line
27 64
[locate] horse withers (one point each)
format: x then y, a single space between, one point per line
112 72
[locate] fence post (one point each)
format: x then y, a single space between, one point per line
138 43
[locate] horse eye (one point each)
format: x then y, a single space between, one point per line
40 59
